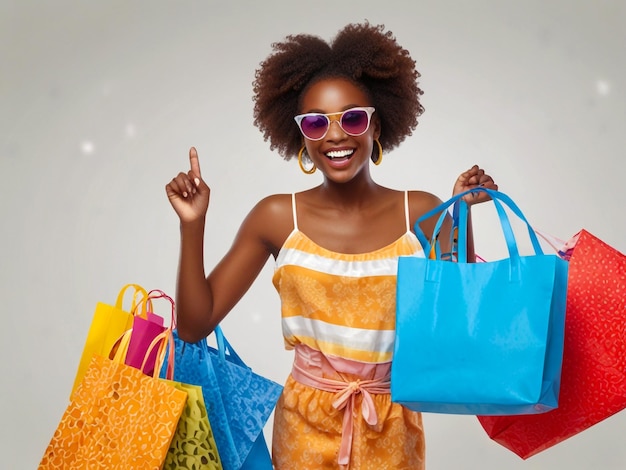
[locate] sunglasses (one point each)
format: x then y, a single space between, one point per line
353 121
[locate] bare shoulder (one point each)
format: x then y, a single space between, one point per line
421 202
274 206
272 220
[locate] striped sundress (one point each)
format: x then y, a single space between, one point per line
338 313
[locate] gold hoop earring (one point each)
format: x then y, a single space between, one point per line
311 170
379 158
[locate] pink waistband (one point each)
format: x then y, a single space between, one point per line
311 368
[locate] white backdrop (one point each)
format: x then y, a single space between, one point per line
100 101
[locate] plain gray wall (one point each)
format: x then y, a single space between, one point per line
100 101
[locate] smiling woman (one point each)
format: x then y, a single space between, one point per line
341 103
97 98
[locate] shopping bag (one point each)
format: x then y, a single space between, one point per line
145 330
238 400
259 457
193 446
235 376
118 418
108 324
479 338
593 382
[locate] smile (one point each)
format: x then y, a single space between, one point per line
339 154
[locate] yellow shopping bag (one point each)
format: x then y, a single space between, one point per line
107 326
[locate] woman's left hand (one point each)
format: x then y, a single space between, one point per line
473 178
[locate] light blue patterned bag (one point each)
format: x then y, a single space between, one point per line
239 402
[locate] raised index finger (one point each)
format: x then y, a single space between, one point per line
194 162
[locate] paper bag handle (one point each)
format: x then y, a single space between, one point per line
147 306
165 340
119 303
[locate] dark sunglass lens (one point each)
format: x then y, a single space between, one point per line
314 127
354 122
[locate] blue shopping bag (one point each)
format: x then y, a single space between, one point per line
479 338
238 401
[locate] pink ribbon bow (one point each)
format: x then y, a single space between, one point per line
345 393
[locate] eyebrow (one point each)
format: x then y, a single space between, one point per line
350 106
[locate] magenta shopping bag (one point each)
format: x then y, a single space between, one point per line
143 333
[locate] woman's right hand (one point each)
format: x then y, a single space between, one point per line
188 193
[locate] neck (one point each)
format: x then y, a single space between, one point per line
355 194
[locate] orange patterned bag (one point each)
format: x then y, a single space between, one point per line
118 418
593 380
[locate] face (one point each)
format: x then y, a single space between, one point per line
339 155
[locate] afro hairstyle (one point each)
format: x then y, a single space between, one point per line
363 53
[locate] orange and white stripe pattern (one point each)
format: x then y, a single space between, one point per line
342 305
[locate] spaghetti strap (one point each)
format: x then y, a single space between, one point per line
293 209
406 211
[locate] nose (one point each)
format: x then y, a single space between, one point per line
335 132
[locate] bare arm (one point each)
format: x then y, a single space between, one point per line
202 302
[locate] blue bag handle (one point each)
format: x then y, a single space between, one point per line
462 208
462 228
428 245
504 223
224 346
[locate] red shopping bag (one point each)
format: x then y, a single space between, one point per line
593 380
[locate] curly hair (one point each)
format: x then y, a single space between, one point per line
367 55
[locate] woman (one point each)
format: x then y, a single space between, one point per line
335 106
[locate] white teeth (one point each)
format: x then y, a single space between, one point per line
339 153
